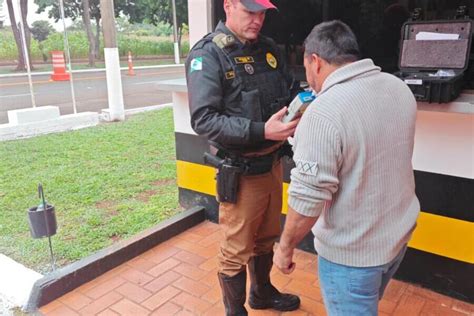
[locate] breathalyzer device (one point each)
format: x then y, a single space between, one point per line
298 105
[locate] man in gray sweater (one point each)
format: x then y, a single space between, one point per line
353 183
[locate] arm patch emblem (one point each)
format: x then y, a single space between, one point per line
196 64
309 168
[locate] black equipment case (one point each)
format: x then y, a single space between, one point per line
420 59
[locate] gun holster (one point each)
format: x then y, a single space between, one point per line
228 178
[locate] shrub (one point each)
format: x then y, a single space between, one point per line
79 46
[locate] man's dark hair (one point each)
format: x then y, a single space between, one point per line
334 42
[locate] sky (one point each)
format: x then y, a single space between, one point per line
32 15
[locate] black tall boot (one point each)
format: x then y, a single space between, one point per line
233 292
262 293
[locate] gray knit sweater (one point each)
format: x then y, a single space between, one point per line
353 150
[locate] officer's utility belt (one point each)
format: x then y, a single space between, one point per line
255 165
231 168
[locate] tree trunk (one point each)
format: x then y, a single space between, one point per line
24 14
86 18
97 37
180 36
16 33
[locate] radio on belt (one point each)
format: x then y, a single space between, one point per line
298 106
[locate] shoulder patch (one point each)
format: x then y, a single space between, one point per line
309 168
222 40
196 64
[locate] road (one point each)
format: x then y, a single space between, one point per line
90 90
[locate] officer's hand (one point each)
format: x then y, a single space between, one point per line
275 129
283 260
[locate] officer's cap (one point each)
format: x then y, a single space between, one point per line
257 5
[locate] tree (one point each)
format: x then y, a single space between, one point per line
17 33
40 31
93 45
155 11
74 9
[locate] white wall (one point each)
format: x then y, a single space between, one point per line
200 19
444 143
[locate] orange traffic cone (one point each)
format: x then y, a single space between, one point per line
130 65
59 66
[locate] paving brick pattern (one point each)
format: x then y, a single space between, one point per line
178 277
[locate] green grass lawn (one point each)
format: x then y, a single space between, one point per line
107 183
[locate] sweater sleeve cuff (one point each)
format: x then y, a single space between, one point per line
257 131
306 208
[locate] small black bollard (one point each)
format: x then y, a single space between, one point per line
42 220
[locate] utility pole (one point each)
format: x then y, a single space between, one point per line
175 34
25 49
68 55
2 15
112 61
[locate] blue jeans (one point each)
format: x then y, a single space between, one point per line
354 291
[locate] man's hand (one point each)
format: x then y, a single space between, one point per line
275 129
283 259
296 227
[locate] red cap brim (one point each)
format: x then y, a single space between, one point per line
258 5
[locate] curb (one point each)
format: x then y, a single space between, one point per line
147 108
65 123
16 283
56 125
64 280
104 115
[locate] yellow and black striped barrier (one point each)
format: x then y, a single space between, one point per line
441 251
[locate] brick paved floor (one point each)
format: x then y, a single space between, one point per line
178 277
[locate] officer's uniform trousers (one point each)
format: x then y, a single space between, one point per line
252 225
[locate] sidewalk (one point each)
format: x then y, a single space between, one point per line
178 277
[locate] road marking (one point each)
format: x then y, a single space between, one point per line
81 79
159 73
20 83
15 95
147 82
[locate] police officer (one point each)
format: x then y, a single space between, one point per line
239 87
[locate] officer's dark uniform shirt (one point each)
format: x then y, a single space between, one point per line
234 88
